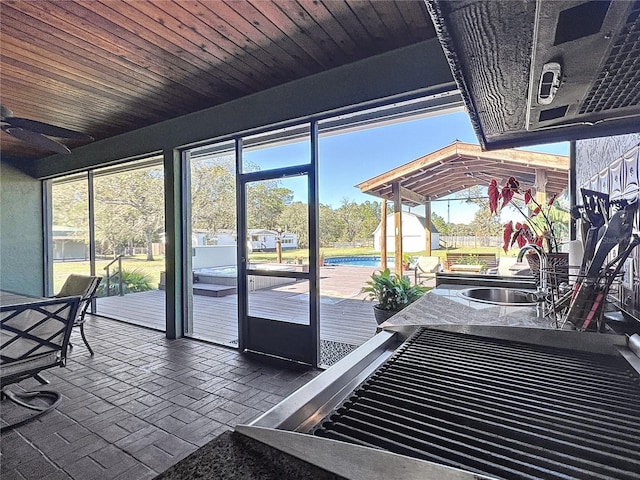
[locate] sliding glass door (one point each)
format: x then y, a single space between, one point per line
211 266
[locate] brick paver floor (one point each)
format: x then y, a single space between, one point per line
139 405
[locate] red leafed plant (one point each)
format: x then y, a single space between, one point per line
538 232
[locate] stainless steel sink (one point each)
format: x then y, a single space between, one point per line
499 296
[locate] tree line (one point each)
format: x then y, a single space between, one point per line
129 208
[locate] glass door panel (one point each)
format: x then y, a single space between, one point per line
278 223
285 300
278 294
212 229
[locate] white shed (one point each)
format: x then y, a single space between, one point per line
413 234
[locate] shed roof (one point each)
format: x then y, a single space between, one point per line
460 165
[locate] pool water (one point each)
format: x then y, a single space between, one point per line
356 261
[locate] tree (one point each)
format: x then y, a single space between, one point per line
130 204
358 220
371 215
70 207
266 201
440 224
213 194
330 225
485 224
296 219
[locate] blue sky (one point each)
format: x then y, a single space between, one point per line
350 158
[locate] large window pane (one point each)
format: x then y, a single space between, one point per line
212 200
129 230
282 148
70 229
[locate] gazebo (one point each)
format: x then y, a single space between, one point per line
454 168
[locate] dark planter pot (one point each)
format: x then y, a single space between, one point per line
383 315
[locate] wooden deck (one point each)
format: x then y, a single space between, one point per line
344 316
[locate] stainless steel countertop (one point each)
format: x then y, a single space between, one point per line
444 306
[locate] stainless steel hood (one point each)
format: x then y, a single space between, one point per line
542 71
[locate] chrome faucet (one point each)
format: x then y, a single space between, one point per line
542 258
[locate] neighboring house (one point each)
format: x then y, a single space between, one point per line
261 240
69 243
222 237
413 234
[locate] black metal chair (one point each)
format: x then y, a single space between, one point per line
34 337
87 287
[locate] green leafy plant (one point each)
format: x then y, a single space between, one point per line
541 227
132 281
391 291
472 259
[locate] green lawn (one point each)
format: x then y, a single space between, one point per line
152 269
136 262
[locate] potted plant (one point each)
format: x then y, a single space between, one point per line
538 229
406 261
392 292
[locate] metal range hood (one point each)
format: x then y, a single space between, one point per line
542 71
585 67
469 402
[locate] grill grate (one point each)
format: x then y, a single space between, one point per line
501 408
617 84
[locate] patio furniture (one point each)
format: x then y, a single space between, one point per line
34 336
451 259
509 266
466 267
86 286
426 267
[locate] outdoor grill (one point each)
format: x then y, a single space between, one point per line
485 404
498 408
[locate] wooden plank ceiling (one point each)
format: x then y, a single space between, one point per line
111 66
460 166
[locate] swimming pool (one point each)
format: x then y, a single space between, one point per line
354 261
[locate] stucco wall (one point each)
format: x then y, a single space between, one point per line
611 165
21 246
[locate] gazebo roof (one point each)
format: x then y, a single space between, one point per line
461 165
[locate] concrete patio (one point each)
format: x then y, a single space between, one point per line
143 402
139 405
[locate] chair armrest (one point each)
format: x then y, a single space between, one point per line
35 336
